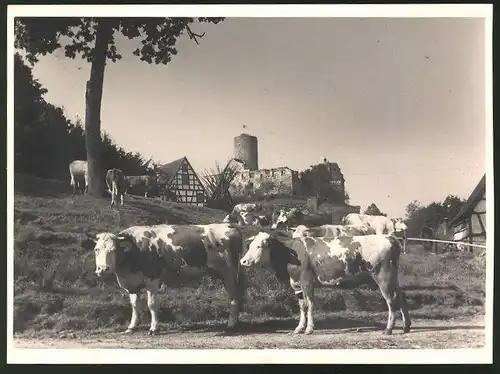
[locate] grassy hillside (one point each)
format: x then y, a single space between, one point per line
55 287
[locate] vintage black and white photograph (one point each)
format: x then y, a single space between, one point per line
232 179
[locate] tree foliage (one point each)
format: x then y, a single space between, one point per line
45 141
93 39
432 215
373 210
319 181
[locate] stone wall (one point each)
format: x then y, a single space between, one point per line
281 180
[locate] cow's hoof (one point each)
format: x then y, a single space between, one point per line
297 331
129 331
387 332
152 332
309 331
406 329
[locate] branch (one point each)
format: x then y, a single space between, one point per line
192 35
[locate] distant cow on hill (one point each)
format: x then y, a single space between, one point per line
117 185
143 184
78 170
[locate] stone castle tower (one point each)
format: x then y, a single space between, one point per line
246 150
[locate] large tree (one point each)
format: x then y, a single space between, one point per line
94 40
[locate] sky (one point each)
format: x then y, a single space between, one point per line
398 103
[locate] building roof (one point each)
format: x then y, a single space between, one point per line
170 169
474 197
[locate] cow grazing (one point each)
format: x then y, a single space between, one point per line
144 183
307 262
139 255
117 185
332 231
381 224
78 170
246 207
285 218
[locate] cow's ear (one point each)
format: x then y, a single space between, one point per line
125 243
249 239
88 243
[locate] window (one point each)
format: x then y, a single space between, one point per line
200 197
185 168
185 179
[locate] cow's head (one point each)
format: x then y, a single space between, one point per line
300 230
259 251
280 219
399 225
106 246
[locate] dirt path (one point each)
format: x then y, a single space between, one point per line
426 334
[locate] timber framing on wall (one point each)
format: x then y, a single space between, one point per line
182 180
463 220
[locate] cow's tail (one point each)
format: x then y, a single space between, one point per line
241 279
395 254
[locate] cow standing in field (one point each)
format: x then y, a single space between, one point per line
117 185
139 255
283 218
332 231
307 262
381 224
145 183
78 170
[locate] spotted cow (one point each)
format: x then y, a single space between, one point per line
247 207
332 231
307 262
139 255
117 185
381 224
285 218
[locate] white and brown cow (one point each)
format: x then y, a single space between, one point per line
247 207
332 231
285 218
139 255
79 173
381 224
307 262
117 184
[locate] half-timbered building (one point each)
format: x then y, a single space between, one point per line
181 183
469 225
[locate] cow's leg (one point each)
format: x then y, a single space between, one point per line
152 290
135 313
122 198
388 285
72 183
403 307
231 285
302 320
309 296
307 285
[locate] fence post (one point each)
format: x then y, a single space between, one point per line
404 244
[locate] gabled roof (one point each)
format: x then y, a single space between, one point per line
171 168
468 206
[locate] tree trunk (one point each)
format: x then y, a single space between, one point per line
93 97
